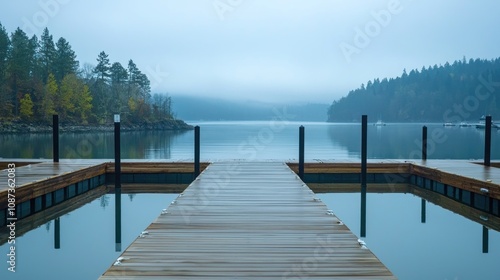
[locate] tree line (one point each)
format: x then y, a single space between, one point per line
464 90
40 77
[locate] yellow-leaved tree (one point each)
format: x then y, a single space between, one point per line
26 106
48 99
75 98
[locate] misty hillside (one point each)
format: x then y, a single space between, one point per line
211 109
462 91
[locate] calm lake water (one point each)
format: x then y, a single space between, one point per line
447 246
262 140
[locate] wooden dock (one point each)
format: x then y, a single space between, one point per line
244 220
36 179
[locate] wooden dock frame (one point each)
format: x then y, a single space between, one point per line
451 183
247 220
43 184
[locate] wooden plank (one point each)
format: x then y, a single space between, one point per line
383 166
36 179
155 167
247 220
356 188
461 174
150 188
41 178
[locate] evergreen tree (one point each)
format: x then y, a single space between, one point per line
47 54
18 67
5 99
431 94
35 83
102 69
101 97
119 77
65 60
39 78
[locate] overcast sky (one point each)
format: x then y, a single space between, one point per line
267 50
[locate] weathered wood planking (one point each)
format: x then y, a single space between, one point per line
383 166
247 221
356 188
144 167
150 188
461 174
38 179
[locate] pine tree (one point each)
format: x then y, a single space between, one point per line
47 54
100 90
18 67
35 84
102 69
5 100
65 60
119 77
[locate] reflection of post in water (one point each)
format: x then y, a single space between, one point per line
118 219
485 240
364 126
57 234
422 219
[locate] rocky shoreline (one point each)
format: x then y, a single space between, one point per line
25 127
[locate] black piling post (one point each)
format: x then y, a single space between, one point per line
364 131
118 186
424 143
364 137
487 142
485 240
118 182
55 137
423 212
301 152
196 151
57 233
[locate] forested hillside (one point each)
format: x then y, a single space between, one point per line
40 77
464 90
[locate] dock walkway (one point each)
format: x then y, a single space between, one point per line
247 220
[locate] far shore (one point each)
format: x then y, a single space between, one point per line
18 127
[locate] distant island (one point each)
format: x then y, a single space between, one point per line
40 78
462 91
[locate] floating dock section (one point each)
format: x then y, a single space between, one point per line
247 220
